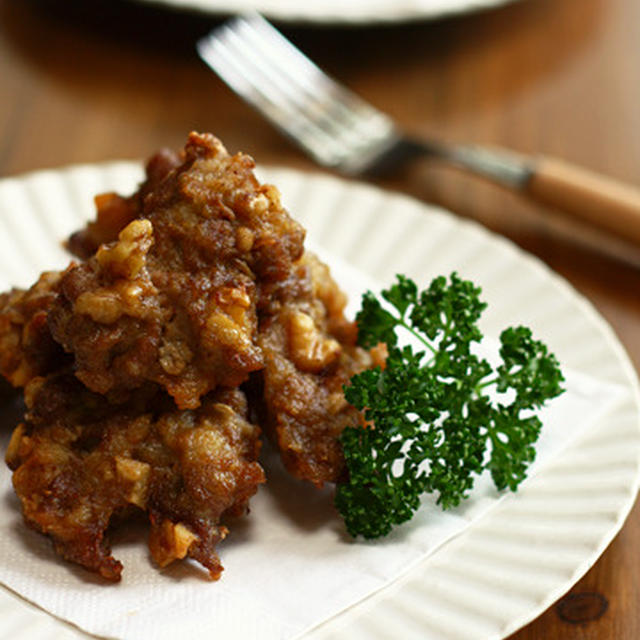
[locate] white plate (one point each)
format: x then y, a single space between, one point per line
336 11
513 562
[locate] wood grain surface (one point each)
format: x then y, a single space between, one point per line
93 81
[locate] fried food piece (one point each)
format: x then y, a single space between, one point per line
115 212
26 346
132 361
310 352
173 301
81 462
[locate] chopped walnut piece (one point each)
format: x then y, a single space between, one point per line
137 475
310 350
169 542
127 257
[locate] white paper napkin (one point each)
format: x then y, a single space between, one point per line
288 566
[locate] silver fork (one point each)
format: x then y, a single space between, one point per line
341 131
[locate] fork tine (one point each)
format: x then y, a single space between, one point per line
260 33
326 119
228 54
319 91
294 74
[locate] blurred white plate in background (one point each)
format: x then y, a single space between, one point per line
336 11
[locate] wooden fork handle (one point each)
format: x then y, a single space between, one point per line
595 199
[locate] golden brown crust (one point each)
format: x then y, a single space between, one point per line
26 346
310 352
80 462
114 212
184 314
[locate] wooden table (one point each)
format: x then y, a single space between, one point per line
87 82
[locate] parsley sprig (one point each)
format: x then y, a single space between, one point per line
432 425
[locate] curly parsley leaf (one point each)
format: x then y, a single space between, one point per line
432 427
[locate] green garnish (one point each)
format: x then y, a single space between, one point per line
430 420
